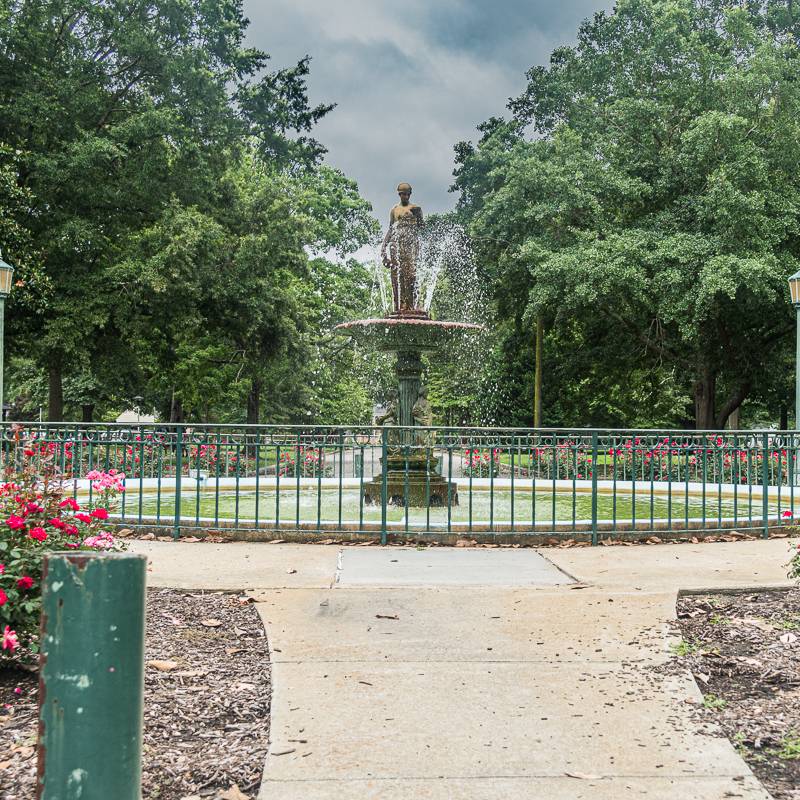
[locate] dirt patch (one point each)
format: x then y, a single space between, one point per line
744 651
206 720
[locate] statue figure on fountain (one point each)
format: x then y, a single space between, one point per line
399 253
423 416
391 418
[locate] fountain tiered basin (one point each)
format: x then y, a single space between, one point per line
405 333
409 466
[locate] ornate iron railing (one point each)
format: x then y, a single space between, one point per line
496 481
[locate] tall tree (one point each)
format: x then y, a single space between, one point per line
662 193
122 109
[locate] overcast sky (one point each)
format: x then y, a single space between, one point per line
411 78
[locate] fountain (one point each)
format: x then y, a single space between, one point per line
408 332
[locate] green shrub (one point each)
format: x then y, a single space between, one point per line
38 515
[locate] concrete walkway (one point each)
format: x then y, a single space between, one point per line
395 677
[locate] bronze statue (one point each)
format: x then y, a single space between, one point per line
392 411
400 252
423 416
391 418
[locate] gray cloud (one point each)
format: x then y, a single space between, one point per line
410 79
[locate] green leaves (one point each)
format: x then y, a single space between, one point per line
659 194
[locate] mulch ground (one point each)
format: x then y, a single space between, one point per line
744 651
207 693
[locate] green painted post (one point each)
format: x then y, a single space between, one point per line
384 498
2 336
178 471
594 489
91 683
765 486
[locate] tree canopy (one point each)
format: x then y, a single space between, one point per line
162 191
658 200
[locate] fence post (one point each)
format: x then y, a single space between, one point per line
765 486
594 488
91 683
178 471
385 465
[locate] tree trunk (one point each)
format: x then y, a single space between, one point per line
703 396
176 412
254 403
731 406
55 400
784 423
537 397
734 419
88 411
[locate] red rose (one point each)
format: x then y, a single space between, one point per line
40 534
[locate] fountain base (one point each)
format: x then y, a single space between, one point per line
410 475
422 491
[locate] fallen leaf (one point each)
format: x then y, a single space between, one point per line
191 673
284 752
788 638
165 538
276 541
579 586
756 623
704 678
290 571
386 616
751 661
234 794
125 532
148 536
4 765
239 631
190 539
164 666
243 687
23 751
231 650
584 776
210 623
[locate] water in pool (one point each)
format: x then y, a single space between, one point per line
309 505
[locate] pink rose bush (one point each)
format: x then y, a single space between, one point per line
37 517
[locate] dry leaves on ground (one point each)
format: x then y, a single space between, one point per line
206 719
746 660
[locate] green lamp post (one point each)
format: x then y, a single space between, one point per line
6 273
794 287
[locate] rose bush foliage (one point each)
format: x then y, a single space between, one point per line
39 514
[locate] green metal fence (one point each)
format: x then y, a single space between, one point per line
508 481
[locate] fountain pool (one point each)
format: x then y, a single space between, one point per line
311 505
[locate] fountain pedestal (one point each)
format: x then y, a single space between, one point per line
410 460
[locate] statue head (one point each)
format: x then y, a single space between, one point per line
423 392
404 190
